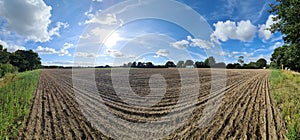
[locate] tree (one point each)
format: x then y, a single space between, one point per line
233 66
260 63
251 65
241 60
4 55
180 64
133 64
210 61
287 20
278 55
149 65
230 66
188 63
200 64
25 60
170 64
140 65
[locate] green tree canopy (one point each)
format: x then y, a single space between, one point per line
170 64
4 55
260 63
25 60
287 19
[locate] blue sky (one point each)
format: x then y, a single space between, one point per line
113 32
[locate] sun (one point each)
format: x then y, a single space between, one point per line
112 40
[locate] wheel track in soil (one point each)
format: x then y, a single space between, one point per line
247 110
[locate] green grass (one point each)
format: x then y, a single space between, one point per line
15 103
285 90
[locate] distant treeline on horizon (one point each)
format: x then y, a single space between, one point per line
210 62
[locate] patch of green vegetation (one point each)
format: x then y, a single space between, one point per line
15 102
286 93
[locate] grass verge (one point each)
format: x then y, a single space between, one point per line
285 89
15 102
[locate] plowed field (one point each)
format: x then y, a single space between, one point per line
246 111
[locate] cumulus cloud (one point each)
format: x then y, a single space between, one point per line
62 52
194 42
45 50
244 31
55 30
29 18
263 31
180 44
162 52
11 47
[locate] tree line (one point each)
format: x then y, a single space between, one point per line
259 64
19 61
210 62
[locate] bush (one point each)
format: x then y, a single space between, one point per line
7 68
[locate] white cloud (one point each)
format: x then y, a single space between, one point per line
108 19
115 53
99 33
29 18
263 32
45 50
194 42
62 52
67 46
11 47
85 54
84 36
162 52
244 31
200 43
247 54
260 50
276 45
55 30
180 44
235 53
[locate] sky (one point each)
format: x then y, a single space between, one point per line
114 32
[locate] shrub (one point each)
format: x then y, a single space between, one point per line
7 68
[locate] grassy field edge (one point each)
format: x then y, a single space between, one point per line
285 89
15 101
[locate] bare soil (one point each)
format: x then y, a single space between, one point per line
246 112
